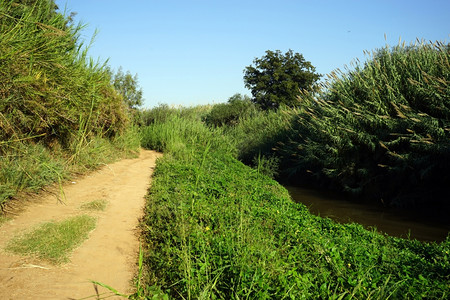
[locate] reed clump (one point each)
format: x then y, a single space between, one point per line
379 130
50 87
58 108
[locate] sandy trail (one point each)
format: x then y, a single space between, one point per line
108 256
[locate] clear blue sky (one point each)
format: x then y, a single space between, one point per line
194 52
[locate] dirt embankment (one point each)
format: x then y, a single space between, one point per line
108 256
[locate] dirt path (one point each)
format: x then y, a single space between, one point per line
108 256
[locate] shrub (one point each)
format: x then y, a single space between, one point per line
230 113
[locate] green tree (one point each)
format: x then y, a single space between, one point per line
277 78
128 86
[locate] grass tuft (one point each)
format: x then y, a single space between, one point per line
54 241
3 219
96 205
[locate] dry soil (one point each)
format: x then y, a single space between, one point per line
109 255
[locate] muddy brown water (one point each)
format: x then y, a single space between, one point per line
390 221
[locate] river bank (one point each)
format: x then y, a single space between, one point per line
394 222
216 228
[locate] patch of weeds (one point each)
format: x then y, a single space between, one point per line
96 205
54 241
267 166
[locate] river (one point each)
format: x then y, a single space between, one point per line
392 222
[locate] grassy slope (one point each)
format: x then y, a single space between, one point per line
216 228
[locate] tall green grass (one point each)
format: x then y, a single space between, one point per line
379 131
217 229
173 129
230 113
30 167
257 134
50 86
59 112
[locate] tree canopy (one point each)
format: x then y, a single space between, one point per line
128 86
277 78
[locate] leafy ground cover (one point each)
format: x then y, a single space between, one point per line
217 229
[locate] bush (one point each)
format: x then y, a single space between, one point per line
230 113
173 130
257 134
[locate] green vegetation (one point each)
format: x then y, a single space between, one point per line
50 87
217 229
380 131
178 126
127 86
257 135
59 111
3 219
54 241
278 78
230 113
96 205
